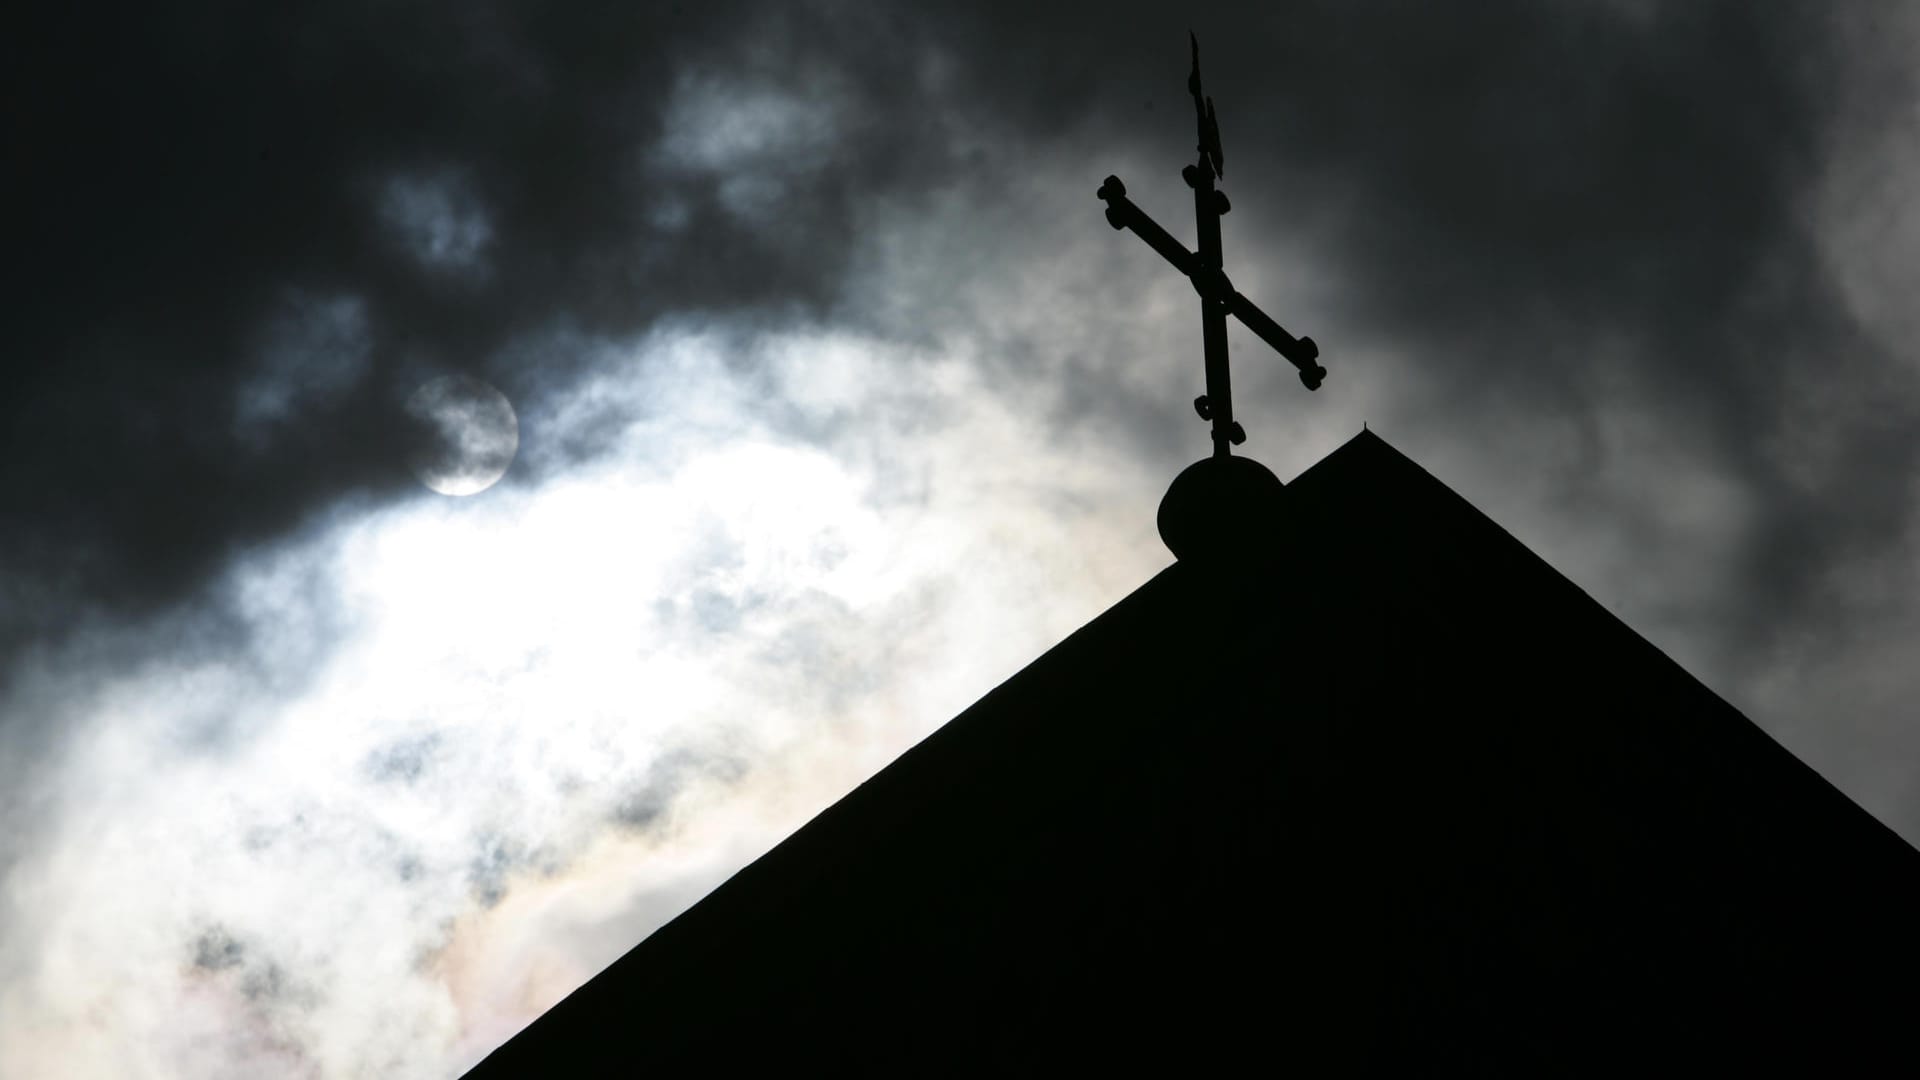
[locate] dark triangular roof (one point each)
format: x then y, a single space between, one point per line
1397 795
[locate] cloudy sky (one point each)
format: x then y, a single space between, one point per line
837 402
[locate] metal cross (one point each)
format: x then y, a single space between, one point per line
1217 295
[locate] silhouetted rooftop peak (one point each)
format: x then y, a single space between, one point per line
1231 510
1478 823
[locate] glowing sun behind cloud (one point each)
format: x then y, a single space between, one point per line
463 434
444 759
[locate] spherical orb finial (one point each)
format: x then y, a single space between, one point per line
1221 509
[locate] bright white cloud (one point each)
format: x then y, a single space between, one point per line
461 753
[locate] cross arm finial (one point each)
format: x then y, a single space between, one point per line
1123 214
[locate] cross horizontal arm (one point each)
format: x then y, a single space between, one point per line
1122 214
1211 283
1301 352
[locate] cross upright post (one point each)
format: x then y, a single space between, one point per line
1205 269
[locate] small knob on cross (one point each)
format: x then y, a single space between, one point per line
1115 194
1231 432
1204 407
1310 372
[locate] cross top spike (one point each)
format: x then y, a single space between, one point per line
1210 154
1218 298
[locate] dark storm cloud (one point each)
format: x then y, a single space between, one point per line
1535 182
248 234
1551 210
243 236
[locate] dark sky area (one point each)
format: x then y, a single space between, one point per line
1631 276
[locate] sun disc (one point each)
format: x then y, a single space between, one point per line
463 434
